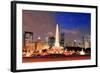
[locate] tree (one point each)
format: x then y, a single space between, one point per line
51 41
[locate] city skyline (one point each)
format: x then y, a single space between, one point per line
49 35
74 25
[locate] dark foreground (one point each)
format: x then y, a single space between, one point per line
55 58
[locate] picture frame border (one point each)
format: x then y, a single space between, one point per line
13 34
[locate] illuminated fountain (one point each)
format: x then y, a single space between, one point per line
57 49
28 54
57 36
82 52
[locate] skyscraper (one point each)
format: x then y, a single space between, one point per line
62 40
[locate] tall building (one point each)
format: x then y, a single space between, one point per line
87 44
51 41
41 45
62 40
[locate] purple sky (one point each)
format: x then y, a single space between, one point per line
41 23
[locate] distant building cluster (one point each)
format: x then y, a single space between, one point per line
42 45
41 34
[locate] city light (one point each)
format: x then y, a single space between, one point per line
42 48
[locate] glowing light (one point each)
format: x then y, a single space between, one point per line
39 38
57 36
28 54
82 52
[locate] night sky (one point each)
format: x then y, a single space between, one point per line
41 23
74 21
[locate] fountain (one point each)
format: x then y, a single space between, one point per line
57 36
57 49
82 52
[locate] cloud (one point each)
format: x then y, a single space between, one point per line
67 31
